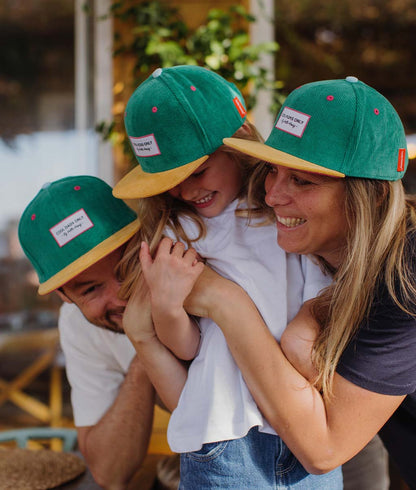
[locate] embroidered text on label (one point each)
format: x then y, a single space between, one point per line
145 146
293 122
71 227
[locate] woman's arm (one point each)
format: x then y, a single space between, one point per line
297 342
170 277
167 373
322 434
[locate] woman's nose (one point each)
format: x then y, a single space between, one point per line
276 193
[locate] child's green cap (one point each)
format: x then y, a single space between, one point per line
175 119
70 225
338 128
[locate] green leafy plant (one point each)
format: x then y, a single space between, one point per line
154 33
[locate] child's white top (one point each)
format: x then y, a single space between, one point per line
215 403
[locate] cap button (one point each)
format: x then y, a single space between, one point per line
46 185
157 72
352 79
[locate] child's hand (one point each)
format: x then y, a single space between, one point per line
170 278
171 275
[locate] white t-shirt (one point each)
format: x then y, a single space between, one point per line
215 403
96 360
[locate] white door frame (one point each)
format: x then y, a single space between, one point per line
99 66
263 31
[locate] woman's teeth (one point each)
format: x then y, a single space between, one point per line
290 222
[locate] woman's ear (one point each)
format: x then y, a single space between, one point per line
62 295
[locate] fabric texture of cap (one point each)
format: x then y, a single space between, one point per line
338 128
174 120
71 224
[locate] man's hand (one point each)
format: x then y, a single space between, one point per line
137 318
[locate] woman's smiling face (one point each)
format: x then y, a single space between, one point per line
310 213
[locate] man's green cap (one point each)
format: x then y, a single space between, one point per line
175 119
70 225
338 128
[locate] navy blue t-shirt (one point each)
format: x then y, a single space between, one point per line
382 358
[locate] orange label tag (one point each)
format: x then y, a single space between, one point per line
402 159
240 107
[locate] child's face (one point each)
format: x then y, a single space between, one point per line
213 185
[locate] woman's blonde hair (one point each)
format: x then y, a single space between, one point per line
379 221
157 213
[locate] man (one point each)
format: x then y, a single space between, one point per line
74 233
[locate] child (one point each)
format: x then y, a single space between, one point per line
176 121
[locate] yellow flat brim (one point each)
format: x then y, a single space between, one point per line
90 258
277 157
137 183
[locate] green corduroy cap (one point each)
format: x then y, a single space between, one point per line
338 128
70 225
175 119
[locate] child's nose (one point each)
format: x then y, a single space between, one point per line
189 192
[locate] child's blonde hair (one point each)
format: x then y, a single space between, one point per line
159 212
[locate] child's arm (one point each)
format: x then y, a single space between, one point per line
297 342
167 373
170 278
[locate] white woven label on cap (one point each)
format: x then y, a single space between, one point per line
145 146
71 227
293 122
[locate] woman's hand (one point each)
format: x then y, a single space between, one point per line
212 293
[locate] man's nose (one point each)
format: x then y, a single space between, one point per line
111 293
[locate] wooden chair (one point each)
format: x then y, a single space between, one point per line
41 349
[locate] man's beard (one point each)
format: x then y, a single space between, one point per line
109 324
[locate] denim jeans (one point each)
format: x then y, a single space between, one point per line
255 462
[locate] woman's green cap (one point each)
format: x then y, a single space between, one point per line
70 225
174 120
338 128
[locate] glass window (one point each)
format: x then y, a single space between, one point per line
39 141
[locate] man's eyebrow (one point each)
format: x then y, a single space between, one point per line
77 285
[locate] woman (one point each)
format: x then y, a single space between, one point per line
337 153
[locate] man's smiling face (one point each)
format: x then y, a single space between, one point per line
95 292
